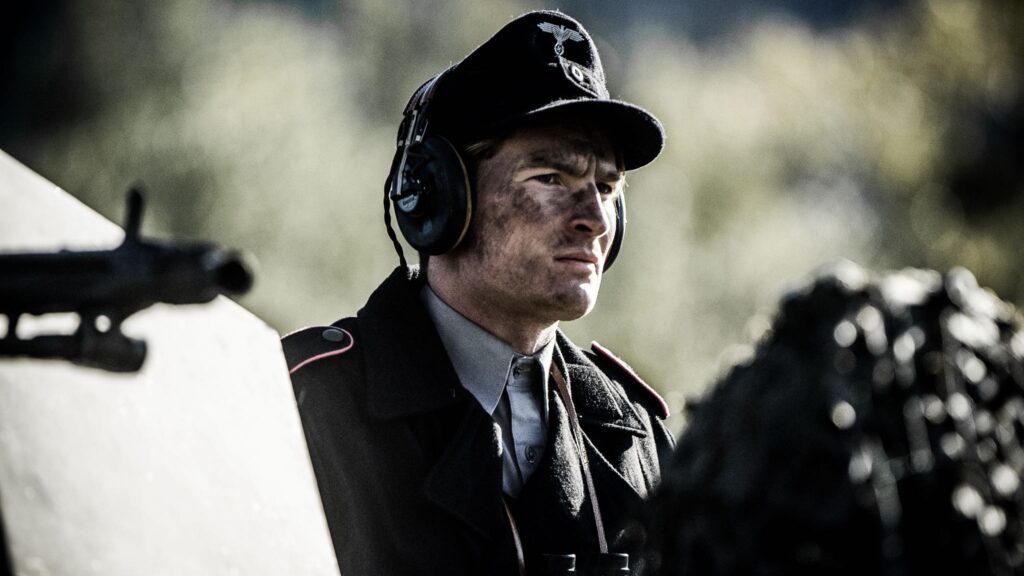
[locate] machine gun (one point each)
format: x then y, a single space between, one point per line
107 286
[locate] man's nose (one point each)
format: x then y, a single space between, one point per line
590 215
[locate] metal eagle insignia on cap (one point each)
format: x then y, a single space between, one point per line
561 34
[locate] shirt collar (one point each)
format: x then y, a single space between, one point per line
481 359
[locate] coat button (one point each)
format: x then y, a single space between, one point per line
531 454
333 335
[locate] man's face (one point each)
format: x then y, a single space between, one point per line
542 224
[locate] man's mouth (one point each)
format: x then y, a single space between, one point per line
583 260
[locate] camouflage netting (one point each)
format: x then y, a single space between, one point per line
877 429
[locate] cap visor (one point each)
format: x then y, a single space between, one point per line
635 132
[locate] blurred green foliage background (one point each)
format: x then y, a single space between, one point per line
889 133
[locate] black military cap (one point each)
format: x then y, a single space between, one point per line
539 65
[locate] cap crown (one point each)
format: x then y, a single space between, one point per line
538 63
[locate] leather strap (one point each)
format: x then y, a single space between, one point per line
520 557
577 432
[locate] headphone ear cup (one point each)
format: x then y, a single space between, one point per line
434 206
620 230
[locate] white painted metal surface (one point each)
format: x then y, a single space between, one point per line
195 465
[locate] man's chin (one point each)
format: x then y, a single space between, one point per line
578 302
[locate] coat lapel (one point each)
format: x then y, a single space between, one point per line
558 482
408 373
609 421
466 480
562 516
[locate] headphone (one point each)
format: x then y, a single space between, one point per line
429 186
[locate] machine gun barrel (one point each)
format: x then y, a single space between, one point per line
132 276
106 286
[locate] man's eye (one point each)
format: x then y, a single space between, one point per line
547 178
605 188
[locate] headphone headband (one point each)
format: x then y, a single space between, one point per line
413 115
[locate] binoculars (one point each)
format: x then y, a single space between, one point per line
590 565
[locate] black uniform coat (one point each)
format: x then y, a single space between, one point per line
409 465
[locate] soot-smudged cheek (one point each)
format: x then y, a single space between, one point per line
495 241
514 218
535 206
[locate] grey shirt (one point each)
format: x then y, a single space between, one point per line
511 387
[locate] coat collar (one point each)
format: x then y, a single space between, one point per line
408 370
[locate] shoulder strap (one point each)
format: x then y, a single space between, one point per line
655 401
308 345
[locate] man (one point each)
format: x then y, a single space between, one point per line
446 420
